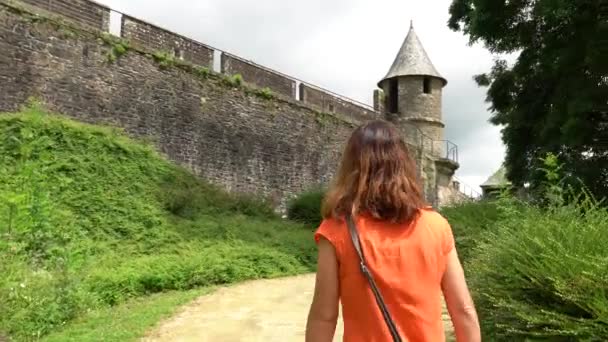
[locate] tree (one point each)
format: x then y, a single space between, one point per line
554 98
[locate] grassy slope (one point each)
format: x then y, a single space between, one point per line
90 219
126 322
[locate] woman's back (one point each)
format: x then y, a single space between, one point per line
412 261
407 261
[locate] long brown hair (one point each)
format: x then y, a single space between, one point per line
377 176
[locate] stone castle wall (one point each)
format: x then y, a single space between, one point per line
276 146
153 38
83 12
258 76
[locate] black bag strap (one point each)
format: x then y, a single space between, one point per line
352 228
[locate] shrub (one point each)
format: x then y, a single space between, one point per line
469 221
38 302
187 196
542 273
265 93
164 59
306 207
234 81
202 71
194 266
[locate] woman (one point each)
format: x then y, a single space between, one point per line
408 247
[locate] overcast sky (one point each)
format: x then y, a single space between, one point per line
346 46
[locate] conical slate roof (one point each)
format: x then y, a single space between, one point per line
499 178
412 60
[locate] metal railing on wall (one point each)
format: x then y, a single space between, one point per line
466 189
441 148
222 51
426 143
451 149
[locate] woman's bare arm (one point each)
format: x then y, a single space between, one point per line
323 315
459 301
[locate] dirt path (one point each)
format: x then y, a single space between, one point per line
262 310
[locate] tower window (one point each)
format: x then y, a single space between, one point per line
392 98
426 85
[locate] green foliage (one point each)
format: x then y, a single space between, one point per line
164 59
537 272
66 32
470 222
195 265
234 81
187 197
553 99
541 273
323 118
306 207
202 71
90 218
35 302
118 46
126 322
265 93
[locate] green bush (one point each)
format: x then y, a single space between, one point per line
38 302
265 93
542 273
234 81
221 263
186 196
90 218
306 207
469 221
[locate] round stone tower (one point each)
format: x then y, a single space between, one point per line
412 96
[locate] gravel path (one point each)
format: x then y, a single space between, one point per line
261 310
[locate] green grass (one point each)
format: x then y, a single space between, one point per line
470 221
536 273
541 273
90 219
125 322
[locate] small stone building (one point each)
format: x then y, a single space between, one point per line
496 183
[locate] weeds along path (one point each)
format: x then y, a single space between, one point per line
261 310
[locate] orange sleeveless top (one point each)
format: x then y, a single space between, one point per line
407 261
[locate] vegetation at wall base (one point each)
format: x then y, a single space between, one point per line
91 219
306 207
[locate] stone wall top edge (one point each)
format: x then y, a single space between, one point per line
100 5
59 18
159 28
259 66
339 98
12 3
215 76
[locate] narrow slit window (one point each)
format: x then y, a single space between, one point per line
426 85
392 98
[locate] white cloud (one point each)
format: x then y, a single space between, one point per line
346 46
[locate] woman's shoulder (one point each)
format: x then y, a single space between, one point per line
330 229
332 224
429 216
